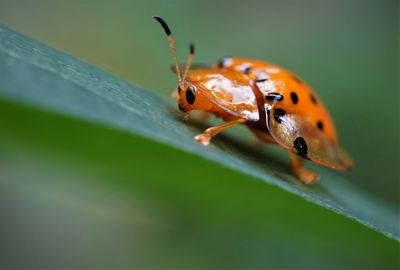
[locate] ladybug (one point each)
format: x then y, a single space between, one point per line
275 104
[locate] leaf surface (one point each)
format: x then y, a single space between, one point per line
36 74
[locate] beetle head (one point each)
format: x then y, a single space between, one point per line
187 91
188 96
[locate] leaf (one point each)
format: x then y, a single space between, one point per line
35 74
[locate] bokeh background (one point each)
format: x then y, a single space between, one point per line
75 194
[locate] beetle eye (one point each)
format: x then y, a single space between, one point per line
190 94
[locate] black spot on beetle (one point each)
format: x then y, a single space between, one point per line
320 125
180 107
261 78
301 146
274 97
278 115
294 98
246 70
179 90
313 99
190 95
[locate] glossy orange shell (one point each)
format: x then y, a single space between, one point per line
224 89
284 82
227 90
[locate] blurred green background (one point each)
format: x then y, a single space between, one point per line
74 194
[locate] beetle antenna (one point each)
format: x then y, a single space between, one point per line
189 60
171 42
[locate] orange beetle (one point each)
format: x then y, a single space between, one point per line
274 103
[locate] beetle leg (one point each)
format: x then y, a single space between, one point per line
305 175
186 116
211 132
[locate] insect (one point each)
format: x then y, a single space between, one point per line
275 104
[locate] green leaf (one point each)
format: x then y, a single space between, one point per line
35 74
